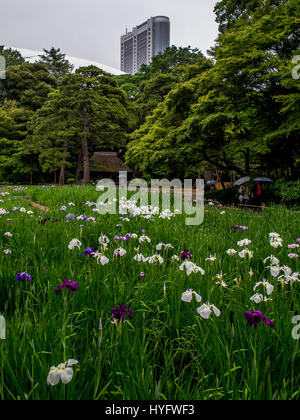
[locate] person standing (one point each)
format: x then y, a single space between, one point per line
241 194
257 194
244 194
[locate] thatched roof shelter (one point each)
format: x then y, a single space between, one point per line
107 162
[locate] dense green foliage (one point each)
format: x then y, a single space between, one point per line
235 113
88 112
27 84
286 192
12 57
241 114
56 63
150 86
14 161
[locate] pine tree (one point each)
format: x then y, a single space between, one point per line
56 62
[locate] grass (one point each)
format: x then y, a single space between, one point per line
166 351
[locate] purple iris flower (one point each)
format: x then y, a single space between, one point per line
239 227
70 216
185 255
88 251
23 276
68 284
43 221
119 313
255 317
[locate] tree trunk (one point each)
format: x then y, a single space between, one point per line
61 180
78 167
85 147
247 161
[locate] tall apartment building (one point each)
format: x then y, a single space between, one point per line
144 42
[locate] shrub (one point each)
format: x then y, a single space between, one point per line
286 192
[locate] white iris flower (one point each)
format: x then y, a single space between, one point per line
62 372
188 296
74 243
205 310
268 286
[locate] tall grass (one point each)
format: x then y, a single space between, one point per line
167 351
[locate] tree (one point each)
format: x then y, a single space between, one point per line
88 112
12 57
52 132
14 161
150 86
232 115
27 84
228 12
56 63
170 61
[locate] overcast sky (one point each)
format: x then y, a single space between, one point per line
91 29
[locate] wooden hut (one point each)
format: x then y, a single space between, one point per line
108 165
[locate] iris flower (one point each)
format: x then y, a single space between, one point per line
258 298
188 296
74 243
23 276
100 258
268 286
273 260
103 239
205 310
293 256
191 268
120 313
155 259
275 240
231 251
185 255
144 238
254 318
88 251
68 284
162 245
239 227
246 252
120 252
244 242
62 372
